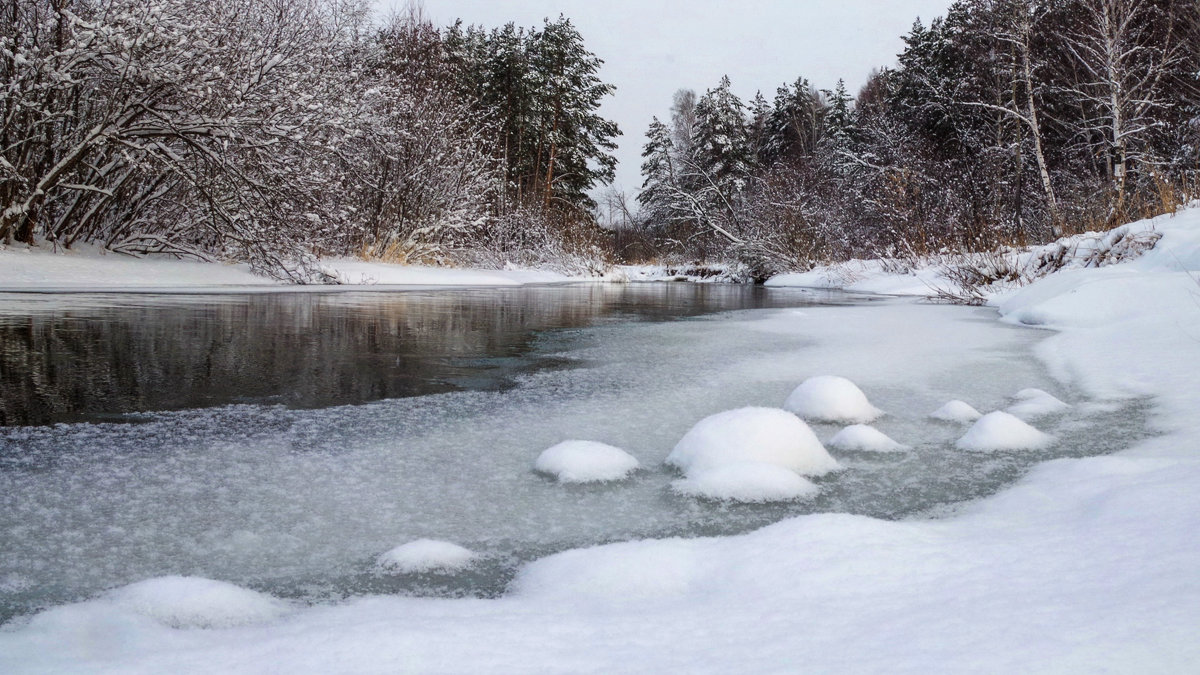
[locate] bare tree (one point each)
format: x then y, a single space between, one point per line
1123 53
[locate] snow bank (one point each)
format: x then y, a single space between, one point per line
864 276
91 268
699 273
765 435
585 462
865 439
426 555
1033 403
193 602
956 411
746 482
1002 431
830 398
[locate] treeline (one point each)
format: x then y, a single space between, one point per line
1008 121
272 131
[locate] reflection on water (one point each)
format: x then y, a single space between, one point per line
82 357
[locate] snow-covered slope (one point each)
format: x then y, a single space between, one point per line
1085 565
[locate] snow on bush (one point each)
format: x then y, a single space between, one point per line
829 398
195 602
746 482
1034 403
767 435
1001 431
956 411
972 277
585 462
864 438
426 555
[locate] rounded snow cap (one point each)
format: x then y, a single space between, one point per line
866 439
1002 431
585 462
1034 403
196 602
426 555
746 482
765 435
829 398
956 411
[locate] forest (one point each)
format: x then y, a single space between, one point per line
1008 122
275 132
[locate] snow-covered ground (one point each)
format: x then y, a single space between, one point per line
1084 565
23 268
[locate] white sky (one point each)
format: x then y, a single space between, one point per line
653 47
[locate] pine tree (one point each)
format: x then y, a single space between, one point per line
723 151
796 123
574 142
840 137
660 185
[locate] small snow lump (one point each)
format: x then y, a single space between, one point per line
426 555
1002 431
746 482
864 438
1034 403
585 462
956 411
829 398
767 435
196 602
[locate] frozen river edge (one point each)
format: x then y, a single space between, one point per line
1084 565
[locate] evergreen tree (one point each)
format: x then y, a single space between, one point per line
659 188
796 122
840 128
574 143
723 151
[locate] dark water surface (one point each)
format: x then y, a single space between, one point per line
90 357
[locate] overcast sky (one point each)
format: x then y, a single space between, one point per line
653 47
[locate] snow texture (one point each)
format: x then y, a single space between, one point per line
746 482
426 555
829 398
1033 403
1083 565
585 462
193 602
763 435
956 411
865 439
1001 431
90 268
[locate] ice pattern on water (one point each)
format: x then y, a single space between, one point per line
301 502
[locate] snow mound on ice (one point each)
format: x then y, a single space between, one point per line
746 482
426 555
766 435
1034 403
585 462
956 411
196 602
832 399
1001 431
864 438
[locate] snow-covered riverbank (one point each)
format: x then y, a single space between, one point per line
1084 565
89 269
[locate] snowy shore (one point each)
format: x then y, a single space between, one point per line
1084 565
89 269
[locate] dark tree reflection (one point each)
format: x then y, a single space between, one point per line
85 357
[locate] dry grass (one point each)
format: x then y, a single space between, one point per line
403 253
